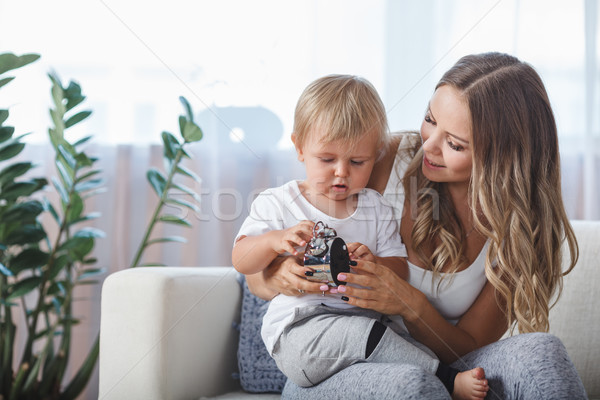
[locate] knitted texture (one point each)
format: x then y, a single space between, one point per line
257 370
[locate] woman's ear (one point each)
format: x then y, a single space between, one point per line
298 148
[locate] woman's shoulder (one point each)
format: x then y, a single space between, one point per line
401 148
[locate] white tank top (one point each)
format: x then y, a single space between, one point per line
455 294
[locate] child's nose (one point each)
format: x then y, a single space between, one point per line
341 169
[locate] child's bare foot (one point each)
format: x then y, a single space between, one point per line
470 385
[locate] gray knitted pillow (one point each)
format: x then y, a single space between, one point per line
257 369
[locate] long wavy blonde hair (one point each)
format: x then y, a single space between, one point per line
515 184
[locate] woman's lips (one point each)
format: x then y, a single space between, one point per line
431 164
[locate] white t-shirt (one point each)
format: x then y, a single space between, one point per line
456 293
373 224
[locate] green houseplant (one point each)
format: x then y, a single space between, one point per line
40 265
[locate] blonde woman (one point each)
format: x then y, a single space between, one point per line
479 201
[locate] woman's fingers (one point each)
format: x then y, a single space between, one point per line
380 289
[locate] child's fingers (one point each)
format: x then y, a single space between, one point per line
353 246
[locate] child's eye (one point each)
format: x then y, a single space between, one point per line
356 162
455 147
326 160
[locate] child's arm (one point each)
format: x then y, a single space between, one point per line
252 254
359 251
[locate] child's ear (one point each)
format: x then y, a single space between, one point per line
298 148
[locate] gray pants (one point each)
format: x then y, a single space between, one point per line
321 341
527 366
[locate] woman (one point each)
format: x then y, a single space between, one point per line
483 222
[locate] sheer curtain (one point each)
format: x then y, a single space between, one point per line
242 66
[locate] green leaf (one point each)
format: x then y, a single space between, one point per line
59 264
64 195
187 107
68 155
28 259
17 189
75 119
88 273
170 145
25 211
3 116
6 133
89 185
26 234
11 150
88 217
83 160
4 81
82 377
78 247
13 171
187 172
82 141
75 208
89 232
50 208
173 219
5 271
157 180
168 239
9 61
187 190
87 175
73 95
65 172
191 132
183 203
23 287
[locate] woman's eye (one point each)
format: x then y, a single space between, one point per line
428 119
455 147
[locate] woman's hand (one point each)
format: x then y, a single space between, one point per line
285 275
382 291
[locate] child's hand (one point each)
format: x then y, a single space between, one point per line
289 238
359 251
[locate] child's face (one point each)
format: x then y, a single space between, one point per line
335 172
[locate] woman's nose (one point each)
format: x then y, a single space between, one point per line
431 142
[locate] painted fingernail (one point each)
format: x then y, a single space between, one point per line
341 289
333 290
308 273
345 298
323 287
353 263
342 277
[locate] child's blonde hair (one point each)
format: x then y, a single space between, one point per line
346 106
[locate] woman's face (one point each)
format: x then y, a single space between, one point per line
446 135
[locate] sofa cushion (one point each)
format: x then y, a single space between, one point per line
257 369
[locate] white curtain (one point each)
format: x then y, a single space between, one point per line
242 66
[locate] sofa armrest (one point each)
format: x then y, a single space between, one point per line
166 333
574 319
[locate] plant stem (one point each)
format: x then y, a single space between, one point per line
161 203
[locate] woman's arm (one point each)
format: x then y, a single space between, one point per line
385 292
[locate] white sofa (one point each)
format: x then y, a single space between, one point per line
166 333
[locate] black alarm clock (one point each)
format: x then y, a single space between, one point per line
327 255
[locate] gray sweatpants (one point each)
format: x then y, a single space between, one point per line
322 341
529 366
